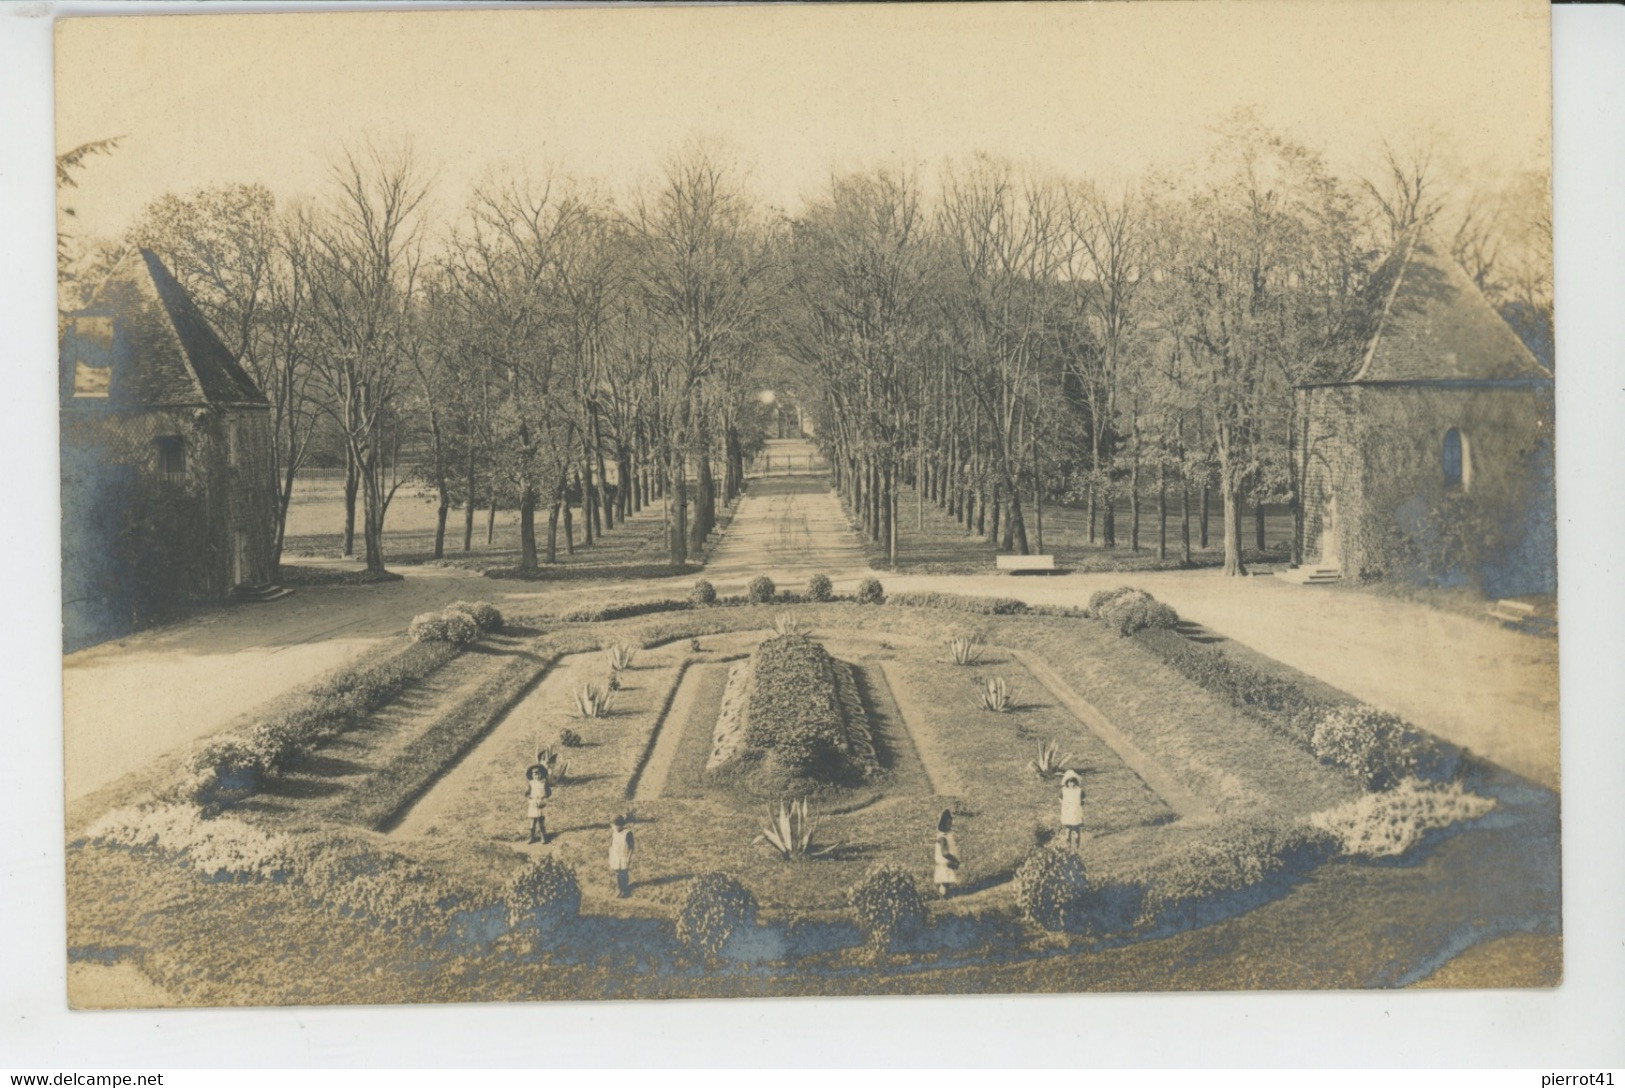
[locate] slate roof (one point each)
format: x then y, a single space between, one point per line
161 349
1431 323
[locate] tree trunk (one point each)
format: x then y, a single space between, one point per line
589 497
1162 509
1134 498
527 530
1258 526
1229 493
1038 500
372 529
569 529
1204 538
993 536
468 504
1185 518
352 482
678 489
553 532
440 523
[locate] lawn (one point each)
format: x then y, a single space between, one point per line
930 542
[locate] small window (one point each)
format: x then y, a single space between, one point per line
172 458
1457 461
91 381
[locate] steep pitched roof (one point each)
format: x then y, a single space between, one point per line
157 348
1431 323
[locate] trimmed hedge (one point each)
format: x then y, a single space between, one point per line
227 768
960 602
820 588
703 592
1377 749
717 906
760 590
794 711
625 611
1197 881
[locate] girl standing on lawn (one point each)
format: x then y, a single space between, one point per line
947 854
537 791
1072 807
621 845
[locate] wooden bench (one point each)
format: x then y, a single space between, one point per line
1015 563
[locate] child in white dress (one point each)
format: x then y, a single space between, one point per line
1072 807
947 854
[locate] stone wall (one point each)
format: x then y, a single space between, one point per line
1379 449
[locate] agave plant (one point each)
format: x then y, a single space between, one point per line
620 656
557 769
593 700
994 693
790 830
967 649
1050 761
786 624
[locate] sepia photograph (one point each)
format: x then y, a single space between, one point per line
807 501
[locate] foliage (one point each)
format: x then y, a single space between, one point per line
227 768
820 588
1101 598
213 848
870 591
607 612
485 614
593 700
1278 703
961 602
787 624
448 625
716 907
703 592
1379 749
793 709
994 693
1052 890
1050 761
543 896
966 649
569 738
1232 859
760 590
1134 611
790 829
888 905
620 656
1386 825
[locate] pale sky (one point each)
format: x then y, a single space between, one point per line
1096 90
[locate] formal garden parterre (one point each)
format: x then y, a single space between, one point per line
391 849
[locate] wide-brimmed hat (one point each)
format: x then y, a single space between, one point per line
1070 777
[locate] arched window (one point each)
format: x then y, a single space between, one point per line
1457 461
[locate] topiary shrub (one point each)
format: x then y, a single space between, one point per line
703 592
1102 598
457 628
871 592
1135 610
960 602
760 590
1379 749
820 588
1052 890
543 896
888 905
717 906
486 616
